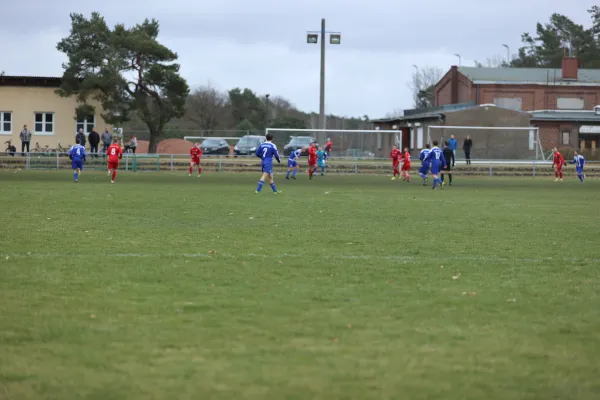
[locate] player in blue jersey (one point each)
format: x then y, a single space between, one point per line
437 159
293 163
321 157
266 152
424 169
77 156
579 162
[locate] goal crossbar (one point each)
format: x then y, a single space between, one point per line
267 130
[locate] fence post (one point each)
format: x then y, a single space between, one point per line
490 167
220 164
534 168
126 161
28 161
57 160
355 165
171 162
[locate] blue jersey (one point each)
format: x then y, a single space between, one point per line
320 155
436 156
423 156
295 155
77 153
266 152
578 160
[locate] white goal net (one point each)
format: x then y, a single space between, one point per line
491 143
345 142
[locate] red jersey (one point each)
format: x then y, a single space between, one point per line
196 152
559 160
395 155
114 153
406 159
328 146
312 153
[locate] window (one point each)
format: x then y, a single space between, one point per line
86 124
5 123
513 103
569 103
565 137
44 123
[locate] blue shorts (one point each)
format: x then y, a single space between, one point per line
579 169
436 168
77 164
321 163
267 167
424 169
292 164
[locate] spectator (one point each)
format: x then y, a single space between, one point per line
133 144
467 145
94 139
106 140
81 136
453 144
25 137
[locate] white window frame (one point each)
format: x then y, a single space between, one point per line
2 122
44 132
379 141
502 102
420 137
566 135
85 124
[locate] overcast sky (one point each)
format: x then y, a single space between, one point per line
261 44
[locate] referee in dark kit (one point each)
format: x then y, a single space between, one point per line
450 161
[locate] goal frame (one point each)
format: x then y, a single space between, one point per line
397 132
539 152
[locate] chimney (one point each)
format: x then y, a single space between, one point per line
570 67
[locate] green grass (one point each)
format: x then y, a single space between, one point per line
164 286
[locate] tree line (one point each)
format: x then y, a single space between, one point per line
137 82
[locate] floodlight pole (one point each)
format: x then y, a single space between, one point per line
322 88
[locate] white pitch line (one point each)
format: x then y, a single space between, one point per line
217 255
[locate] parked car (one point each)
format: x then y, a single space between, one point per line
247 145
215 146
296 143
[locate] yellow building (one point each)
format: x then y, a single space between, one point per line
32 101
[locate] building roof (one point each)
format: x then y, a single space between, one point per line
572 116
537 76
426 113
31 81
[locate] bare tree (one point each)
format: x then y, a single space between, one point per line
422 84
208 108
396 112
280 106
2 73
496 61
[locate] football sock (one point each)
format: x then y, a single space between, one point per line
322 170
294 172
439 181
560 174
114 174
190 170
442 177
556 174
450 178
273 187
199 170
434 183
260 186
580 177
75 175
288 174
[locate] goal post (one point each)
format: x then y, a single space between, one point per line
345 142
492 142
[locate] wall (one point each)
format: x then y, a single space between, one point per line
443 89
23 102
551 134
489 144
537 97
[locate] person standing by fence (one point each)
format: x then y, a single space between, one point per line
467 145
25 137
81 137
106 140
453 144
94 139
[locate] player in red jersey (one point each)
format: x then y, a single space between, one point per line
328 148
395 155
115 153
312 160
558 163
406 165
195 153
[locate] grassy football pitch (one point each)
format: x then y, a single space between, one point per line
165 286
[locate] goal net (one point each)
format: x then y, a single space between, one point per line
345 142
491 143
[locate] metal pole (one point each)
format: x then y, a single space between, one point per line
507 54
267 110
322 89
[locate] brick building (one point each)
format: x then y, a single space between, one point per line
560 101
